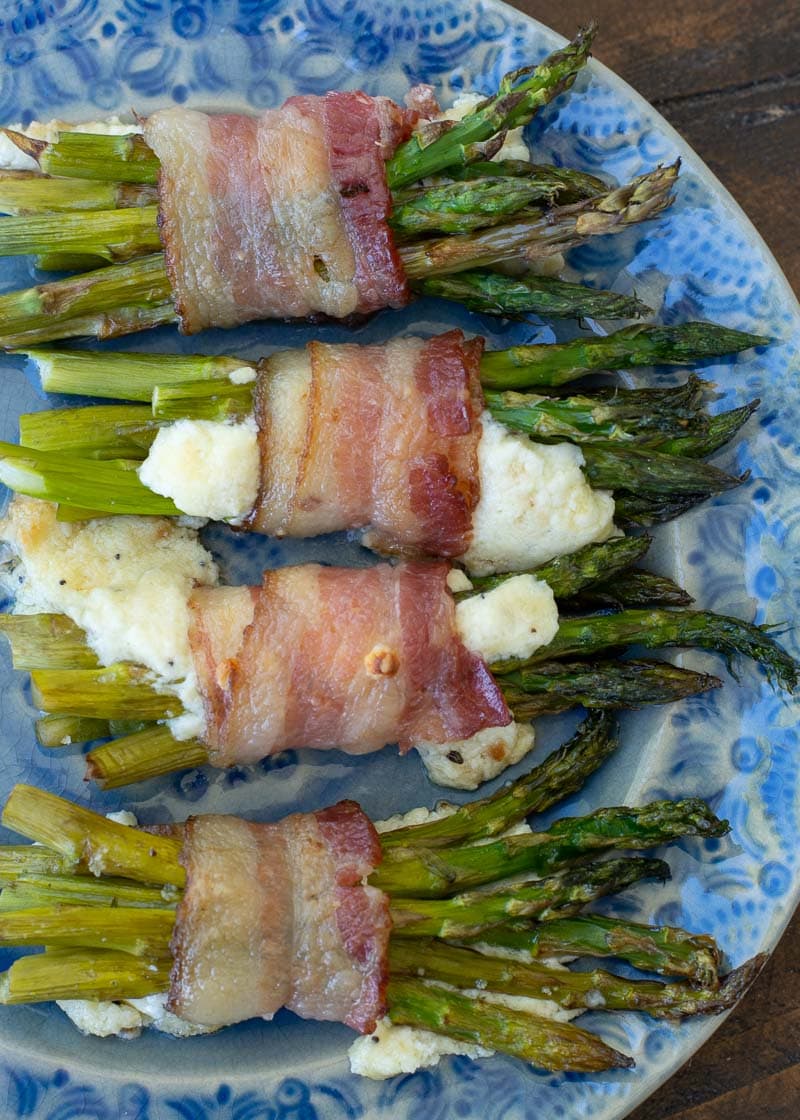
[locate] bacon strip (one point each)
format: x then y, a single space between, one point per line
377 437
279 216
274 915
340 658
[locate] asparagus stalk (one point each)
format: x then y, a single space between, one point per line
523 367
31 859
570 185
560 229
46 641
719 430
634 588
666 950
132 295
462 207
80 974
120 691
29 192
91 841
115 431
555 686
110 235
562 773
32 891
641 511
559 896
567 575
545 1042
109 486
493 293
219 399
420 873
141 756
132 377
83 155
652 472
142 932
656 629
64 730
521 94
464 968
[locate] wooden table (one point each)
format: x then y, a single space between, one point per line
726 74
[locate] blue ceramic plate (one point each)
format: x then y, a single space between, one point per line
86 58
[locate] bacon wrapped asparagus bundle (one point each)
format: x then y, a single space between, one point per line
195 926
311 210
406 440
136 629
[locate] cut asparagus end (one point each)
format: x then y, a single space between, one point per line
83 155
46 641
109 235
106 486
138 931
141 756
119 691
94 843
93 974
132 377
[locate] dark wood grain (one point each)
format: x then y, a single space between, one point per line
726 74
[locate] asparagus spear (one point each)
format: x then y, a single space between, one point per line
570 184
559 896
420 873
461 207
83 155
655 629
115 431
120 691
132 377
641 511
545 1042
562 773
652 472
80 974
556 686
62 731
92 842
46 641
494 293
32 891
560 229
29 192
141 756
142 932
523 367
633 588
464 968
110 235
520 95
132 295
567 575
667 950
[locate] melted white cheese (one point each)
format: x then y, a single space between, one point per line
208 468
468 763
514 146
535 503
512 620
124 580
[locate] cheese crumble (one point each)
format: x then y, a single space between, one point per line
124 580
535 503
208 468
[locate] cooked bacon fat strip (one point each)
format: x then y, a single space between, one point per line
274 915
383 438
350 659
279 216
